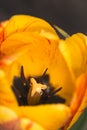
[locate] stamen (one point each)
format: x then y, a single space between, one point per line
44 72
55 91
22 76
51 97
43 79
35 90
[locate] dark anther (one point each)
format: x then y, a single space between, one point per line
20 87
44 73
44 78
51 96
22 75
55 91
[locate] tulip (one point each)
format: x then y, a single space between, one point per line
39 83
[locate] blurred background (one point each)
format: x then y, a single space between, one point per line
70 15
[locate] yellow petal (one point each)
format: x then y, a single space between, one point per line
74 50
6 95
22 23
6 114
9 117
62 76
48 116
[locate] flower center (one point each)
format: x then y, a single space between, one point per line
35 90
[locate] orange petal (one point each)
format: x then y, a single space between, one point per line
27 124
1 34
6 95
79 101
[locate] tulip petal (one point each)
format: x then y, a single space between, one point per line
10 114
9 121
22 23
28 52
74 50
79 101
48 116
1 33
6 95
27 124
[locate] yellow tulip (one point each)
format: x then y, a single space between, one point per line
33 59
23 47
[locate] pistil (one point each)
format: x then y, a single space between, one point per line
35 92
